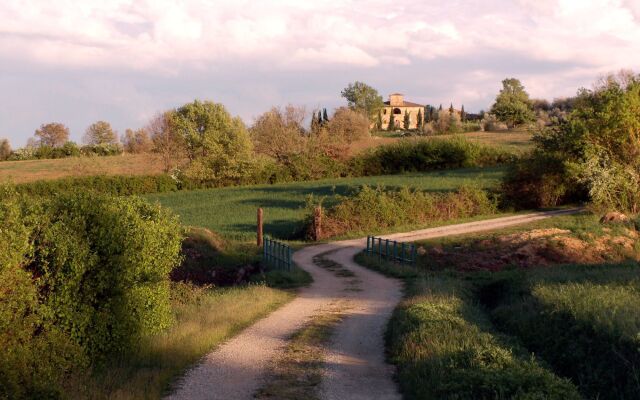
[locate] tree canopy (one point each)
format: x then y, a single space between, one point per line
53 134
362 97
100 133
512 104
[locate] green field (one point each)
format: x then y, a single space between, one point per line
232 211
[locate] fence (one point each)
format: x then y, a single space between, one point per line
391 250
276 254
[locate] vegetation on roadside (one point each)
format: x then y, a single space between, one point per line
445 346
370 210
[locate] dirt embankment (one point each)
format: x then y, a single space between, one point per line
539 247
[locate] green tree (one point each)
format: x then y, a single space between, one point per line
512 104
325 117
100 132
420 120
217 144
451 109
463 114
406 123
363 98
392 121
53 134
5 149
379 121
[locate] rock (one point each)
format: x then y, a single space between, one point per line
613 217
436 251
421 251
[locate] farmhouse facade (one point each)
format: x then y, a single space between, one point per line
396 107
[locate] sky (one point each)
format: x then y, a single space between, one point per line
123 61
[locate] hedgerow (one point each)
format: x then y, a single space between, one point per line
83 276
372 209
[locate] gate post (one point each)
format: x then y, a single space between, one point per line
259 228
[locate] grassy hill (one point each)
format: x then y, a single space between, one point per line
125 164
232 211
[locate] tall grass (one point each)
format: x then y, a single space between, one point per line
204 319
445 346
584 321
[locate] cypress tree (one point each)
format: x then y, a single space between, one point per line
379 121
392 122
407 120
325 117
419 122
440 108
315 122
451 110
463 115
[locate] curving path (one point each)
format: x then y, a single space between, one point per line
355 364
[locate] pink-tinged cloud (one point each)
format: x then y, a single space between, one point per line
433 51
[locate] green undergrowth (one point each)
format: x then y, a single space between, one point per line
205 318
445 346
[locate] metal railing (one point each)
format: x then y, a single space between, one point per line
391 250
276 254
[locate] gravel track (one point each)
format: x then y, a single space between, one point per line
355 364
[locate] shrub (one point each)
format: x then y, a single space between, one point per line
426 155
82 276
373 209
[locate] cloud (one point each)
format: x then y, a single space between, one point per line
140 50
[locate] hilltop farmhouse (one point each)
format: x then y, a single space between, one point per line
396 108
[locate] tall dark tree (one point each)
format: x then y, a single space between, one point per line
379 121
325 117
463 114
406 124
451 109
419 122
315 121
392 122
440 108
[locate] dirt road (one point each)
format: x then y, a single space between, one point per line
355 365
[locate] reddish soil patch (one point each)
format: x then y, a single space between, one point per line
540 247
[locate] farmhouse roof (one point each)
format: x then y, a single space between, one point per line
405 104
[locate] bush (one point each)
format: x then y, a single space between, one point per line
116 185
540 180
370 209
82 276
426 155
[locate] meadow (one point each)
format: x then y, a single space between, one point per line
231 211
125 164
559 331
514 140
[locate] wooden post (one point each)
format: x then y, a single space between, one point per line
317 223
259 239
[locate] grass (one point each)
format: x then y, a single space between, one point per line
231 212
297 374
125 164
445 346
204 319
580 321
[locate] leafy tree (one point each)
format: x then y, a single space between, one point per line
137 141
512 104
53 134
100 133
407 120
463 114
218 145
279 133
348 125
5 149
379 121
363 98
166 140
420 120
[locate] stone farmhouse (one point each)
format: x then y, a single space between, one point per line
396 107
